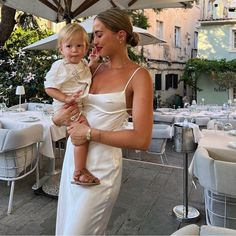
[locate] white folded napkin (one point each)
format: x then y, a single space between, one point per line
196 131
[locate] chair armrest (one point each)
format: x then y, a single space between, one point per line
188 230
14 139
215 230
161 131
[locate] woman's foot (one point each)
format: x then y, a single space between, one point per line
84 177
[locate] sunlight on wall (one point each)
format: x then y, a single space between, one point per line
214 42
203 41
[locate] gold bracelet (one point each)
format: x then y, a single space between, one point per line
88 135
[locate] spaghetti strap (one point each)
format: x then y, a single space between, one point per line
96 69
131 77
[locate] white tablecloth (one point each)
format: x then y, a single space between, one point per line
216 142
214 162
52 133
199 116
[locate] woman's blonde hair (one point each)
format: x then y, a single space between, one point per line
67 32
115 20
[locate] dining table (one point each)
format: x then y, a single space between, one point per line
51 132
199 116
220 144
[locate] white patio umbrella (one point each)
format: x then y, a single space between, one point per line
51 41
61 10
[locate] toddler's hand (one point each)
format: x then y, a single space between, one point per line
73 97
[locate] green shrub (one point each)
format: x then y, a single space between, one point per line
26 68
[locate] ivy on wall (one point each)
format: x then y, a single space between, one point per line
221 71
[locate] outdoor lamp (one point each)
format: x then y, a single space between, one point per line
20 90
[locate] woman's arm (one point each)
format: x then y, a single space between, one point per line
142 113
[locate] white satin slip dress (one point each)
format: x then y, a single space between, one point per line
85 210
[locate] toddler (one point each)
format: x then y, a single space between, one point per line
68 81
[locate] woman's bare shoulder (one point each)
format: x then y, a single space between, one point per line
96 68
142 80
142 72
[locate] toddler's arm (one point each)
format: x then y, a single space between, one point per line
60 96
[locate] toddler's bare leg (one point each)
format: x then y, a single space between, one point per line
80 156
81 175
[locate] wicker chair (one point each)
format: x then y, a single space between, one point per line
19 154
218 179
160 134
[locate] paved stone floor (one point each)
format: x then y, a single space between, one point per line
144 207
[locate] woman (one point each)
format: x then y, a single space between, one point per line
119 88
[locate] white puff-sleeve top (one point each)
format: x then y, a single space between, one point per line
69 78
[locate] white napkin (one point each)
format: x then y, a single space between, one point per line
196 131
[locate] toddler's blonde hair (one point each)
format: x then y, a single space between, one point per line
67 32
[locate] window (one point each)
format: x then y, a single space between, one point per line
177 37
171 81
234 93
159 32
195 40
231 12
234 39
210 8
157 82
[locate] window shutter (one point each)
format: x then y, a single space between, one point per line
168 81
157 81
175 81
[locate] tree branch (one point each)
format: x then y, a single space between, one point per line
7 23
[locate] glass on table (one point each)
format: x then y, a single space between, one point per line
47 111
6 100
3 107
1 95
44 104
39 108
228 126
218 125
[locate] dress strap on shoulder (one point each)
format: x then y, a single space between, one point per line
96 69
131 77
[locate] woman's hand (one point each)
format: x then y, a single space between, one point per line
66 115
78 132
94 59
